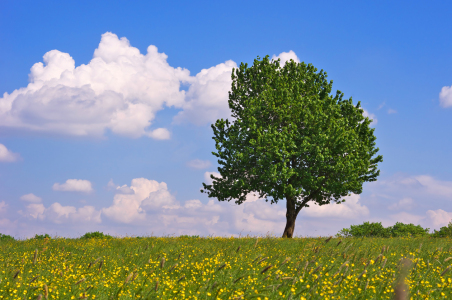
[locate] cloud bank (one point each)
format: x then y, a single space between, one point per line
120 91
148 205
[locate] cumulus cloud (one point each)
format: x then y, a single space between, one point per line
31 198
439 217
207 97
7 156
349 209
159 134
285 57
120 90
33 210
74 185
445 96
153 205
208 180
147 195
199 164
59 214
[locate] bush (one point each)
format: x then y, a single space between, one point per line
189 236
367 229
377 230
42 236
407 230
445 231
96 235
5 237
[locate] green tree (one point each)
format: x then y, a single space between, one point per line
290 139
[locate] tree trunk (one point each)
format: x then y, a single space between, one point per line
291 216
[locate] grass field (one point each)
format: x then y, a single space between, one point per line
225 268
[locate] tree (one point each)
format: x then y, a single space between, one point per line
291 140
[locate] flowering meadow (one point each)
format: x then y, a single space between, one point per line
226 268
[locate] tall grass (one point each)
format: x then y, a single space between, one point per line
226 268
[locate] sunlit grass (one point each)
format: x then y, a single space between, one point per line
223 268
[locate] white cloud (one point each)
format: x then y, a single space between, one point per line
371 117
285 57
434 186
199 164
33 210
152 205
405 203
445 96
160 134
119 189
392 111
193 204
439 217
74 185
207 97
208 180
59 214
120 90
7 156
31 198
348 209
148 195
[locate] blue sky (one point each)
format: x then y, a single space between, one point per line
106 106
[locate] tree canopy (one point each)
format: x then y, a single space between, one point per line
291 139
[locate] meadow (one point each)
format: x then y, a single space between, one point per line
225 268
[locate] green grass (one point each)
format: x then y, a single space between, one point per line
223 268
